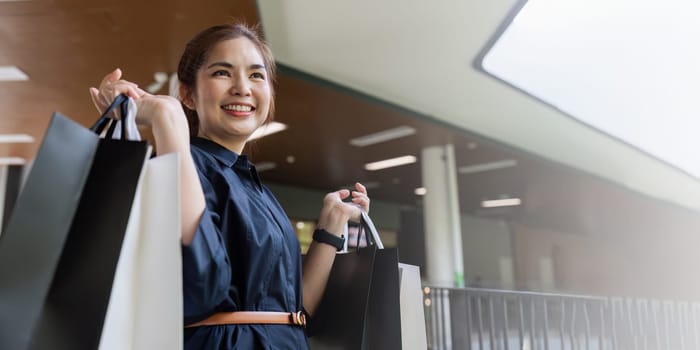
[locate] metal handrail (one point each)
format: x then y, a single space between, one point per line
475 318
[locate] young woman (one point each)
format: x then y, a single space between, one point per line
242 269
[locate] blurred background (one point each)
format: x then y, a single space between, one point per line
545 148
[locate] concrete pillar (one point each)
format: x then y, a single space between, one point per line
443 233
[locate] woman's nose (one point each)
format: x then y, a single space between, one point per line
241 87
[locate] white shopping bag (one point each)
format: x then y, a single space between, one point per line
145 307
412 317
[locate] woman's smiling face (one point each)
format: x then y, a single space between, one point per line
233 94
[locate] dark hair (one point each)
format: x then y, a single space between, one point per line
197 52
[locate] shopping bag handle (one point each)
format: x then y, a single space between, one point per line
121 101
371 234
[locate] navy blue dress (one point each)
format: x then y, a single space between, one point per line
245 256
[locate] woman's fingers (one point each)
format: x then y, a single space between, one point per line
363 202
333 203
96 100
151 107
111 77
113 85
135 92
116 88
106 86
335 213
360 187
360 196
359 199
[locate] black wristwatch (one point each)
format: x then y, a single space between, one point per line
323 236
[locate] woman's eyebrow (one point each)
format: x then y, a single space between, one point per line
229 65
220 64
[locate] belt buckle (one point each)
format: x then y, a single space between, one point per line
298 318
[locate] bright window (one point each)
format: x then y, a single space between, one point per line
630 68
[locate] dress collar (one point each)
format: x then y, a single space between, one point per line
223 154
229 158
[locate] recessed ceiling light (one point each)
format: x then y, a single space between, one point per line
262 166
420 191
506 202
267 129
389 163
477 168
12 161
12 73
16 138
383 136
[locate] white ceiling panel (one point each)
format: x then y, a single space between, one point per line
421 54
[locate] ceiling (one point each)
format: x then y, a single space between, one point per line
347 69
421 55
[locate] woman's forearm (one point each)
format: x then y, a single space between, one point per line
315 271
171 135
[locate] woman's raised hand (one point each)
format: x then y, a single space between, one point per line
336 213
112 86
360 197
149 106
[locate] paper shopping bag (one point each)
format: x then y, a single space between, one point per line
33 239
360 307
145 307
53 261
382 328
413 335
339 321
73 312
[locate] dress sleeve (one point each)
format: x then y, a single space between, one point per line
205 263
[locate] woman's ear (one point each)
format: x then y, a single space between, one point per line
186 97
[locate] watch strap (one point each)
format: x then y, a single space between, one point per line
323 236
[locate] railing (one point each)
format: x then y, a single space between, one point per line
469 318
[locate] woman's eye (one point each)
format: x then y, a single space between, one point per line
257 75
220 73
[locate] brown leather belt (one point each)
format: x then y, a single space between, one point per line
253 317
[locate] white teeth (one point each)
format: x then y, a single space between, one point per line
238 108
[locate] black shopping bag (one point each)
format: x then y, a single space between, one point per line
383 326
69 298
35 233
360 308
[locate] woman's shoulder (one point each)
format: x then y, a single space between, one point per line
201 157
205 152
199 153
207 164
